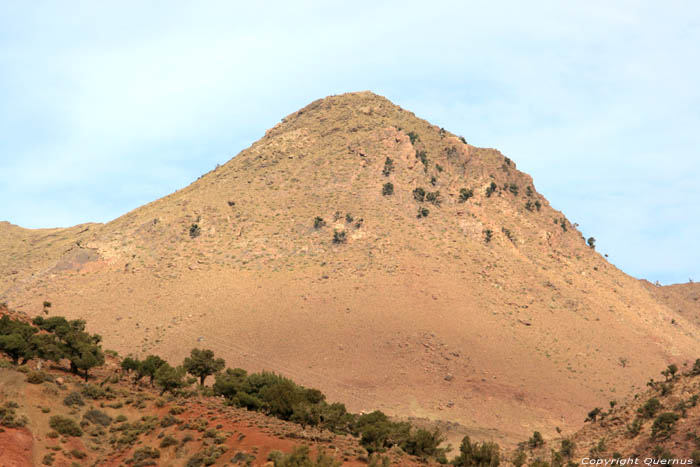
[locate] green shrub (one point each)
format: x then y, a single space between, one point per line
319 222
535 440
195 231
9 418
388 167
65 426
491 189
413 136
73 398
663 425
465 194
488 234
300 457
98 417
388 189
650 408
37 377
78 454
339 237
422 212
485 454
168 441
419 194
144 456
433 197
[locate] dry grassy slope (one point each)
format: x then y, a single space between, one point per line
681 442
682 298
532 330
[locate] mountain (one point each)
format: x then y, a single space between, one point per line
361 250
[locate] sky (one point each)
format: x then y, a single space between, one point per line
105 106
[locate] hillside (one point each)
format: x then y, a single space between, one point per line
485 307
660 422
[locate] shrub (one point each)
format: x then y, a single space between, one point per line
465 194
78 454
65 426
423 212
167 442
433 181
535 440
591 242
339 237
423 157
488 234
300 457
9 418
144 456
348 218
433 197
388 189
593 414
319 222
413 137
649 408
98 417
419 194
491 189
36 377
195 231
663 425
388 167
73 398
485 454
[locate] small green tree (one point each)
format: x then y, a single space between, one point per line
148 367
476 454
169 378
201 363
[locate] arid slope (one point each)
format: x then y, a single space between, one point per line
417 316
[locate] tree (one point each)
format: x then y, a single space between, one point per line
16 340
130 364
591 242
169 378
478 454
230 382
149 366
71 342
201 363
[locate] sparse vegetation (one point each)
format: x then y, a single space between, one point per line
419 194
339 237
388 166
65 426
491 189
465 194
195 231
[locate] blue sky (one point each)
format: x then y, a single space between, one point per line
105 106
